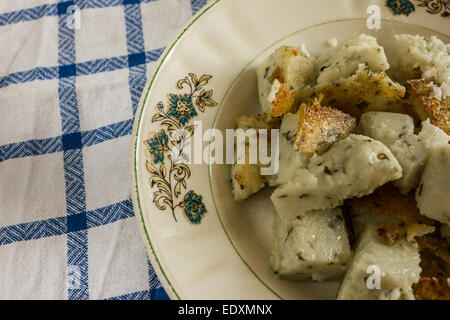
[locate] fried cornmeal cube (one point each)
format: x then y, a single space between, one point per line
281 77
419 57
421 100
281 98
353 167
396 266
291 160
394 213
433 289
313 246
344 61
363 91
412 150
246 180
432 194
246 177
321 126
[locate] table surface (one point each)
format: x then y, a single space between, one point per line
71 76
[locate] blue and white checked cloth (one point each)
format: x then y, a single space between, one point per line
71 75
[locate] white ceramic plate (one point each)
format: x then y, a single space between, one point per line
223 253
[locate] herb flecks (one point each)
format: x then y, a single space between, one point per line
266 72
382 156
327 171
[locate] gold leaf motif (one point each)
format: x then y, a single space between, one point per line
190 129
204 79
160 198
151 168
177 189
204 100
194 79
162 170
182 82
157 117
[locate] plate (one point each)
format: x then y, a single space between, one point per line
202 244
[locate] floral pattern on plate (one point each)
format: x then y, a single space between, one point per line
165 150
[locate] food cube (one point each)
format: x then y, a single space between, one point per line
353 167
313 246
398 266
433 192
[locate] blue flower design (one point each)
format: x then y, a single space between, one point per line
400 7
181 108
158 144
194 207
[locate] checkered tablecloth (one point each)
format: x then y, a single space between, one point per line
71 75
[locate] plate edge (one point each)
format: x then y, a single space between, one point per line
162 276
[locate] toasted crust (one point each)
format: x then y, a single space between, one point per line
276 75
432 289
414 230
387 200
293 70
320 127
362 92
285 54
438 246
433 266
392 233
246 178
284 101
427 107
